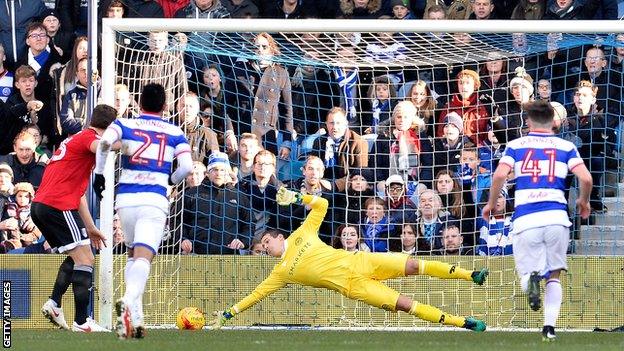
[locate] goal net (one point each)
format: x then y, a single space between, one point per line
428 108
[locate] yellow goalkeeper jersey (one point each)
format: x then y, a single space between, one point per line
306 260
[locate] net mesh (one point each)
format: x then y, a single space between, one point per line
280 87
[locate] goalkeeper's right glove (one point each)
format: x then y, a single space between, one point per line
286 197
220 318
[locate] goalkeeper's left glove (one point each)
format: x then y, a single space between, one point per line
220 318
286 197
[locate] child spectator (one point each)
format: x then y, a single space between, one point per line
377 228
21 232
401 10
420 95
381 95
73 112
495 236
474 178
448 147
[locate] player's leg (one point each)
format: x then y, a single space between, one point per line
444 271
530 257
81 280
379 295
556 238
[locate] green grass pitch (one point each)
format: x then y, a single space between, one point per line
240 340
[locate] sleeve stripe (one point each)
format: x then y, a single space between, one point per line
181 152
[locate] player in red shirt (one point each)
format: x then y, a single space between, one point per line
60 211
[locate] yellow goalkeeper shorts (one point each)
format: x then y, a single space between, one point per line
369 269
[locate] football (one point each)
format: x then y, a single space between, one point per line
190 318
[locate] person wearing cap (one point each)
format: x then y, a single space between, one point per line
26 232
466 103
512 122
61 40
220 214
401 9
400 207
448 147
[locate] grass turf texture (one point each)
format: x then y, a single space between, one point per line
235 340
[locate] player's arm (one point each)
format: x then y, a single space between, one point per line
318 205
585 185
185 167
111 136
270 285
498 181
98 240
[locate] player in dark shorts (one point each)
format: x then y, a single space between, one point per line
60 211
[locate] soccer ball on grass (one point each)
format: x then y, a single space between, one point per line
190 318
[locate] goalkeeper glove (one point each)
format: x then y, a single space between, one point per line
286 197
220 318
99 185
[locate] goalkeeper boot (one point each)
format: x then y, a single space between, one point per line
478 277
548 334
123 328
535 302
474 324
54 314
90 326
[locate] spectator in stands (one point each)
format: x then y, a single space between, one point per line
67 76
73 113
453 240
448 148
26 232
353 190
223 107
401 9
272 116
382 100
125 106
401 209
495 237
256 248
474 178
6 183
529 10
118 236
21 108
494 77
241 8
590 124
6 77
431 218
571 10
420 95
544 90
141 8
411 152
347 237
74 15
609 89
289 9
466 103
42 58
42 153
341 149
435 12
450 192
172 7
25 11
202 139
376 227
202 9
23 160
514 120
313 183
360 9
61 40
197 176
412 242
243 158
116 9
261 187
218 220
483 10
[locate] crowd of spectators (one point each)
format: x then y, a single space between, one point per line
403 154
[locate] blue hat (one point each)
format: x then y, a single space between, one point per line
218 158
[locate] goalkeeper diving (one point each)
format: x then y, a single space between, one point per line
306 260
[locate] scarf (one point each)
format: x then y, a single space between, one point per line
378 108
347 81
373 235
331 149
36 62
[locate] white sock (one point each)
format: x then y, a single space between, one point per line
553 296
135 280
129 263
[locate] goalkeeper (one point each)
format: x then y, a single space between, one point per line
306 260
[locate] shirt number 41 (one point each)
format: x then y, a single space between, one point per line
531 165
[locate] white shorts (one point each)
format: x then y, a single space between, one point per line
143 226
541 249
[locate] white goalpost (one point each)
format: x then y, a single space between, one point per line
212 282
